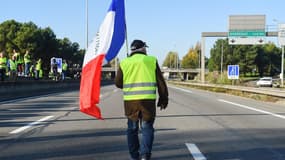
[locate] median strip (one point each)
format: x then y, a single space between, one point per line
30 125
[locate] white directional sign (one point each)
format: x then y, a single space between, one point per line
246 41
247 30
233 72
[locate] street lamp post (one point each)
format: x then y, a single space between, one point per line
282 67
281 39
222 55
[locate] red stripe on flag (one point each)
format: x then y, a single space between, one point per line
90 87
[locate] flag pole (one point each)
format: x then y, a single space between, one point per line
86 25
127 44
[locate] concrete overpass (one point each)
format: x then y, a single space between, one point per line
172 72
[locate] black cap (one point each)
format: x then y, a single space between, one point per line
136 44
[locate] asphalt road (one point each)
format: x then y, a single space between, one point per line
197 125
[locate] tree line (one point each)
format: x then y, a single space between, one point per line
253 60
41 42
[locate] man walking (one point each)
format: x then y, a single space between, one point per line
139 76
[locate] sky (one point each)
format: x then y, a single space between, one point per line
165 25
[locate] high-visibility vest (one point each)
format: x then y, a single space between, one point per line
27 58
3 63
64 66
13 65
39 65
18 57
139 77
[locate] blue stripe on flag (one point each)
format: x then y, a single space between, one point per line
119 29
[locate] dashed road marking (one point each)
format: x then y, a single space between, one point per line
253 109
181 89
30 125
194 150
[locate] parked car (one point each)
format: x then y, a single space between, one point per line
265 81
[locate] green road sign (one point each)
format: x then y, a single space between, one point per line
247 33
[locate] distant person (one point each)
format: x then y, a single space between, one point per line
20 62
139 76
28 61
54 67
38 68
13 68
32 71
64 69
3 66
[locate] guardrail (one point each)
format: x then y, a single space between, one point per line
21 89
27 88
277 93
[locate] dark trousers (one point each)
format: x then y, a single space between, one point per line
2 73
140 148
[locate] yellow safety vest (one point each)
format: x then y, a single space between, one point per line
13 65
139 77
27 58
3 63
64 66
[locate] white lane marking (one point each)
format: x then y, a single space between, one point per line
194 150
181 89
30 125
253 109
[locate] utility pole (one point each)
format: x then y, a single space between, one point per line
222 55
282 67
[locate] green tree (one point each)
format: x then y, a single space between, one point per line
41 42
192 58
220 48
26 37
171 60
248 57
274 56
8 31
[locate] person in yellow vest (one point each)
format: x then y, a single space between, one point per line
140 77
13 68
20 62
38 69
64 69
32 71
27 61
3 65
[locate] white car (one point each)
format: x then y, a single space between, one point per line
265 81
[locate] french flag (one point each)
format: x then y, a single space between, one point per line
104 47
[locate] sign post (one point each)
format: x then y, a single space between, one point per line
281 40
282 67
